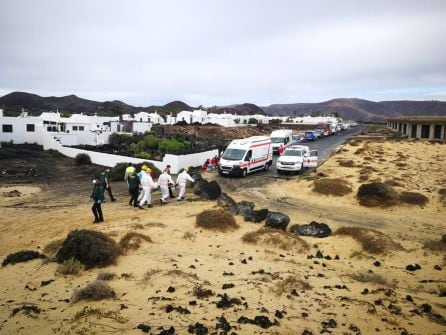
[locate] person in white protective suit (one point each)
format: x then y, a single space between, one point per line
182 179
146 185
163 182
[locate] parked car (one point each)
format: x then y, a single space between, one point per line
319 132
298 138
296 158
310 135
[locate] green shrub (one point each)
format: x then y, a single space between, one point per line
173 146
143 155
82 159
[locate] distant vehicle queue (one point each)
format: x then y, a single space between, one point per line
245 156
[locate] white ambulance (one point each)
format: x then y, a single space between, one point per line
281 137
295 158
245 156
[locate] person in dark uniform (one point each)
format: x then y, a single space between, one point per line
97 195
133 182
105 181
170 185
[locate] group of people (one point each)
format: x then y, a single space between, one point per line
211 164
140 185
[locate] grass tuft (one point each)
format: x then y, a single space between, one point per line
132 241
377 194
365 277
371 240
53 247
69 267
291 283
22 256
336 187
414 198
94 291
276 238
219 220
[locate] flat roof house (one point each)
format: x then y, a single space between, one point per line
421 127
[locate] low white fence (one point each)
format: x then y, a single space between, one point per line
177 162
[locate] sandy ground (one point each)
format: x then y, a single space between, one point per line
267 279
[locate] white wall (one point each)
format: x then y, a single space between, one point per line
99 158
141 127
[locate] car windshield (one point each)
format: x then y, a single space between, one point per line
233 154
295 153
309 133
277 140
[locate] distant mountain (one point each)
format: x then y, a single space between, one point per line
243 109
359 109
348 109
35 105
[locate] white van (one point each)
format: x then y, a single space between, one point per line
245 156
281 137
295 158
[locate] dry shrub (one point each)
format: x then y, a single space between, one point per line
414 198
371 240
289 284
365 277
359 151
442 192
69 267
53 247
363 177
377 194
435 245
401 164
91 248
219 219
367 158
347 163
336 187
353 143
202 293
99 314
97 290
22 256
382 160
392 182
182 274
132 241
276 238
106 276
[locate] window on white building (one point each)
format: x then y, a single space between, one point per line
74 128
7 128
81 128
30 127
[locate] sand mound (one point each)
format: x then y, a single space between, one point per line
336 187
371 240
276 238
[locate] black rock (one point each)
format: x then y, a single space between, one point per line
226 202
46 282
329 324
443 239
169 331
377 263
207 190
192 303
279 314
277 220
319 254
307 332
143 327
409 298
260 320
252 215
314 229
226 286
171 289
244 261
223 324
365 291
226 302
197 329
412 268
437 267
243 206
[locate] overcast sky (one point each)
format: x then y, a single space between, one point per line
213 52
